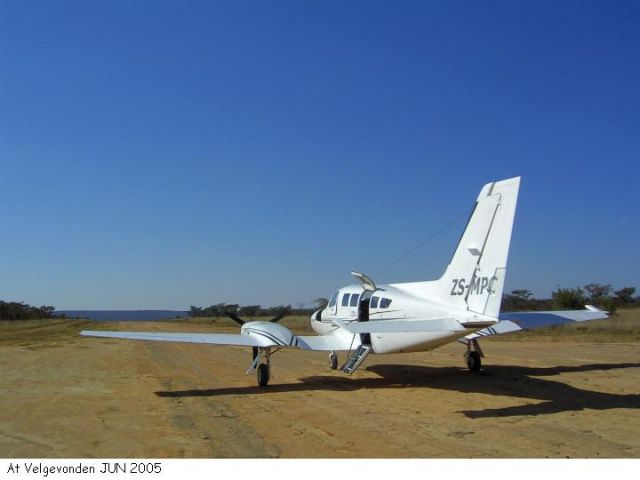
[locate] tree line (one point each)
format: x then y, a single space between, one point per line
24 311
601 295
221 309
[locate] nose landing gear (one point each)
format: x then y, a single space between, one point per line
263 370
264 373
333 361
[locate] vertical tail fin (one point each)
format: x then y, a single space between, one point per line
474 279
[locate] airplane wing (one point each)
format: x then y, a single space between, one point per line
514 321
398 326
217 339
257 338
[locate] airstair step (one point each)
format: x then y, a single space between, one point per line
356 359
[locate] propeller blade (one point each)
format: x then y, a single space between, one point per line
277 318
234 317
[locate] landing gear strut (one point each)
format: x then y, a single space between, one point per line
263 370
333 361
473 356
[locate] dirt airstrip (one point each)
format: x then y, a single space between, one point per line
68 396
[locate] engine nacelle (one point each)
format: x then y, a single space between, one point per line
270 334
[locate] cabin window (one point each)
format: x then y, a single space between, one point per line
374 302
345 300
354 300
385 302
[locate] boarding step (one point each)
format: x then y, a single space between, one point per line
356 359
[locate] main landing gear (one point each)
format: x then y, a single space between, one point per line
474 361
473 356
333 361
264 373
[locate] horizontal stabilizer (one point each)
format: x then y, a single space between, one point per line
503 326
544 319
514 321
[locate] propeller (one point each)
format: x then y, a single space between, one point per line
235 318
241 322
322 302
278 317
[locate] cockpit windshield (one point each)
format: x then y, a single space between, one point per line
332 302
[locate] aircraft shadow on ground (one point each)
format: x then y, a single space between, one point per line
506 381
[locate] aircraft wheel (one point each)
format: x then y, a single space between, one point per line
474 362
263 374
333 361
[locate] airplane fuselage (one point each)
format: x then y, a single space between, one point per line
394 302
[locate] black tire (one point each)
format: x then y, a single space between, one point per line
263 374
474 362
333 361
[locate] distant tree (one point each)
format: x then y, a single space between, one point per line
250 310
24 311
568 299
608 304
625 295
221 309
598 291
518 300
217 310
279 310
230 307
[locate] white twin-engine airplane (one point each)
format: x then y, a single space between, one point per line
463 305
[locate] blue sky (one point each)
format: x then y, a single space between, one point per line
167 154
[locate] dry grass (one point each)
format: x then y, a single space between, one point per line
38 332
